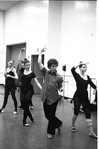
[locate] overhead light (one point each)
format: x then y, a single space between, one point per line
36 10
46 1
81 5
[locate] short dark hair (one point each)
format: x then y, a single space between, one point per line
51 62
22 62
81 64
25 58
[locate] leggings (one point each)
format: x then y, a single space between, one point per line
85 104
7 91
25 99
31 104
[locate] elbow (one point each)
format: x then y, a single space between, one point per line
16 77
72 69
39 62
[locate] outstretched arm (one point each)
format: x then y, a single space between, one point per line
91 83
60 84
37 83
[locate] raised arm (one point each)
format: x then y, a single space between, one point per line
19 58
73 69
40 59
80 63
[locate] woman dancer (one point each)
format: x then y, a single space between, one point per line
27 91
10 86
81 97
49 96
20 70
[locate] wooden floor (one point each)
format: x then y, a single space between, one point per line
13 135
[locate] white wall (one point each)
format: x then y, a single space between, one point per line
27 22
2 57
1 31
54 30
78 39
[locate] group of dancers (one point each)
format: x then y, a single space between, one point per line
49 92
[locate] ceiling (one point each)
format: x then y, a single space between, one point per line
7 4
4 5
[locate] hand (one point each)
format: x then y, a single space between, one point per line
61 89
94 91
23 49
8 75
82 63
44 49
20 84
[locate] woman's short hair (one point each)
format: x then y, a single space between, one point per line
51 62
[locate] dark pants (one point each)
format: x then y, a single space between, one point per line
85 104
7 91
25 99
53 121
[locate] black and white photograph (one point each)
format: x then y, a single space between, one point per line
49 74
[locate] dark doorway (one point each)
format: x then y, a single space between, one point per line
12 52
35 68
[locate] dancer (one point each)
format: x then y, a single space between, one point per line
20 70
27 91
10 76
81 97
49 95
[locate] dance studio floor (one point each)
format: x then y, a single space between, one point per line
13 135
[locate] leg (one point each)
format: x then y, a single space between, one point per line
5 98
25 113
31 104
77 105
86 107
24 107
47 115
28 100
14 98
20 98
53 121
